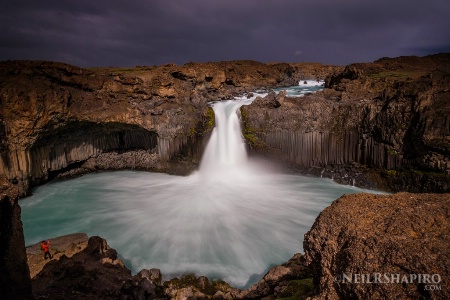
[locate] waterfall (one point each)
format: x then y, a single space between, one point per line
225 156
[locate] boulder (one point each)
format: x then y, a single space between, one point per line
291 279
154 275
269 101
367 246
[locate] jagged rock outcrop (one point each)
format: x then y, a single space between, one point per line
67 245
93 273
380 125
364 235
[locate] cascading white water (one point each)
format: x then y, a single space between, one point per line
230 220
225 155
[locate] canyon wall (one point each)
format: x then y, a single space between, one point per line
383 125
58 120
55 118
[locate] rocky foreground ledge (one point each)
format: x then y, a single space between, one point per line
405 238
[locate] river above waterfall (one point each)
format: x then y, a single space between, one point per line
232 219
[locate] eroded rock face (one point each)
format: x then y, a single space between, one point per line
381 125
363 235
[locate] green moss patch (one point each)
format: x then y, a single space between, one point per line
249 133
298 289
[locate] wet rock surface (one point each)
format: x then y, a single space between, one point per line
362 235
292 280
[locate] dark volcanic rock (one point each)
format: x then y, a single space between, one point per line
405 234
270 101
14 272
193 287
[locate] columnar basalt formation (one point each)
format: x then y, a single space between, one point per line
384 125
55 117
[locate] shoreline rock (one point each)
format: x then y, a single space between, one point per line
93 273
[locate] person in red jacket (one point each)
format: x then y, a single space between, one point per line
45 246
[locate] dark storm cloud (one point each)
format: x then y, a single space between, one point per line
139 32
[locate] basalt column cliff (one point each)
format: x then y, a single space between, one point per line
382 125
56 117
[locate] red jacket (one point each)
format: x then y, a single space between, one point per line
45 246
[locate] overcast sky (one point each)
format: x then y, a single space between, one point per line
153 32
